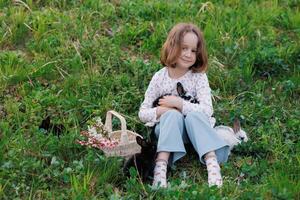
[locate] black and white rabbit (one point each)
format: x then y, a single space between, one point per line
181 93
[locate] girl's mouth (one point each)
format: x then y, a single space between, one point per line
186 61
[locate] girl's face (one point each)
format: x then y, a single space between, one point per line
187 56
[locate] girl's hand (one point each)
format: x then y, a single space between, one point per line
171 102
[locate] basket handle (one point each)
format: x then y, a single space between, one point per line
108 125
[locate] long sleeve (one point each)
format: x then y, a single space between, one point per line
203 95
147 114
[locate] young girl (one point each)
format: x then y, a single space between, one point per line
178 121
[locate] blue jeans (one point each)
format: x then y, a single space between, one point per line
175 129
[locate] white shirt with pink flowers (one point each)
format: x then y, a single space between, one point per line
195 84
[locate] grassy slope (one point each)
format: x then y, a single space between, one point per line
75 60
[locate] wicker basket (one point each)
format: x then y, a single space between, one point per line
127 139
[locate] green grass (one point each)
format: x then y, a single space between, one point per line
75 60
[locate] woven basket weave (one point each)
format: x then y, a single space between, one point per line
127 139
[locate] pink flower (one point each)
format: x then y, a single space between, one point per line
100 143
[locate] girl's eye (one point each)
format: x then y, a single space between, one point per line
194 51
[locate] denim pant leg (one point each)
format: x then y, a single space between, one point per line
171 135
204 138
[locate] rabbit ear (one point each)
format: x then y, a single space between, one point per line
45 123
141 141
236 125
180 89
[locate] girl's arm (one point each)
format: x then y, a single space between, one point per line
147 114
203 96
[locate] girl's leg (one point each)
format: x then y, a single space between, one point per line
170 133
213 169
163 156
210 148
160 170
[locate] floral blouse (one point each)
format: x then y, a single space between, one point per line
195 84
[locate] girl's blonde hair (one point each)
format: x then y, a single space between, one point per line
172 47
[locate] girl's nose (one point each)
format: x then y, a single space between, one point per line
188 53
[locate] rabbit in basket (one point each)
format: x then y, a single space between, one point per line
233 136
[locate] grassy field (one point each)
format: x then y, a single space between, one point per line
74 60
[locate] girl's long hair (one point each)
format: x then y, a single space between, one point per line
172 47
